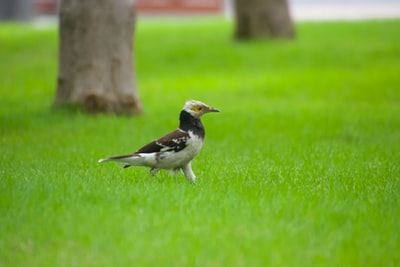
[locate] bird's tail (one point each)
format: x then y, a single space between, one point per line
121 158
104 160
129 160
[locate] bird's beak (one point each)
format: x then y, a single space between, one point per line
211 109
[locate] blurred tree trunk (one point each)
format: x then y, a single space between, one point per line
257 19
95 56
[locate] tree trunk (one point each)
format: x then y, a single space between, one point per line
95 56
256 19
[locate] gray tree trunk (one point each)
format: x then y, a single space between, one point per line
95 56
256 19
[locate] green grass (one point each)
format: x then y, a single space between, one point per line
301 167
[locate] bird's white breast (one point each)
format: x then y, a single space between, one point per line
194 144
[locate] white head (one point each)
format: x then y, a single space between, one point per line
197 108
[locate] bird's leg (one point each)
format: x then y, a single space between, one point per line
153 171
187 170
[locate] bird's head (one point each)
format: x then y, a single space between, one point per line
197 108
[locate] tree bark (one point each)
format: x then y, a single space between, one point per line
95 56
257 19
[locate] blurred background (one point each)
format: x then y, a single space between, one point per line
43 10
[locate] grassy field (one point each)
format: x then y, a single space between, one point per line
301 167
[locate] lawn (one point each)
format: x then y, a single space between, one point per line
300 168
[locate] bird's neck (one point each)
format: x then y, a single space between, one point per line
190 123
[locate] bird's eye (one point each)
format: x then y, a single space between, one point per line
196 108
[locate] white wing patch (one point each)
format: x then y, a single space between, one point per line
177 144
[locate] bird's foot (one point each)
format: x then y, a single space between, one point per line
153 171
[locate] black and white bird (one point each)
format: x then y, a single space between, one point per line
176 150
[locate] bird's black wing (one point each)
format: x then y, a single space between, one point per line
174 141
